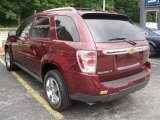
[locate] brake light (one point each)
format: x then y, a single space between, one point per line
87 61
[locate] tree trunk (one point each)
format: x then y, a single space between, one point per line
19 19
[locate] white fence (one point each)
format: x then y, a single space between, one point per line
3 37
4 34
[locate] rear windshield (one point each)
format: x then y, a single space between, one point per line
104 30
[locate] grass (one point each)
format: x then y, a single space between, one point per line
3 42
9 26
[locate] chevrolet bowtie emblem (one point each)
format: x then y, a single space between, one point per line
131 51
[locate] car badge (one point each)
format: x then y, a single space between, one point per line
132 51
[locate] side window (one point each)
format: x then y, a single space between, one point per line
41 28
24 29
66 29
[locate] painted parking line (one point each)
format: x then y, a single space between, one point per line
2 62
42 101
154 62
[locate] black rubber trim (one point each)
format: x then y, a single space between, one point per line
126 79
29 72
106 98
102 15
127 91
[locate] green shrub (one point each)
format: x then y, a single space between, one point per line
3 42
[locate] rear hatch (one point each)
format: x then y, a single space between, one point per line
122 49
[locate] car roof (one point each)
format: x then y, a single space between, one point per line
81 11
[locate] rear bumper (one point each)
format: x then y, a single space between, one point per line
89 88
109 97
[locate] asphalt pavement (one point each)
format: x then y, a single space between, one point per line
17 104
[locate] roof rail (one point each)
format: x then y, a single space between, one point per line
69 9
61 9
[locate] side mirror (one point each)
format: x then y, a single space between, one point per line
12 34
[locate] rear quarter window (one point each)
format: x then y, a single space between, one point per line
66 29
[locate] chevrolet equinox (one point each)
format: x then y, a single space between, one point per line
83 55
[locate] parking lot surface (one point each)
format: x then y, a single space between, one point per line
17 104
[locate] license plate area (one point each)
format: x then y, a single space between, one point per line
127 61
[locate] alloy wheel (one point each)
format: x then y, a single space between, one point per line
52 91
7 60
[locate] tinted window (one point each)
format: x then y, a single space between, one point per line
104 30
24 29
41 28
66 29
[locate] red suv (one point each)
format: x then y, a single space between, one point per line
88 56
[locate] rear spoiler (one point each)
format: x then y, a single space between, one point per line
103 15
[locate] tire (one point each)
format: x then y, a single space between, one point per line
56 91
152 51
9 60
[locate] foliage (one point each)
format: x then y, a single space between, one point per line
128 7
3 42
151 16
13 10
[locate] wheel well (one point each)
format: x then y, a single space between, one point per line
46 68
6 47
150 43
152 46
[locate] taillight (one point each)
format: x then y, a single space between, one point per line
87 61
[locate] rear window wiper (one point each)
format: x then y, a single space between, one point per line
118 39
123 39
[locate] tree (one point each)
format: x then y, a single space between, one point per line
13 10
128 7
